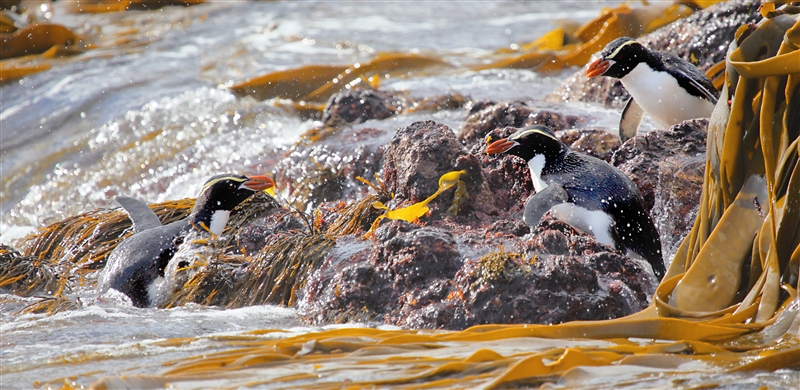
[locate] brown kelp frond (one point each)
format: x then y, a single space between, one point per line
51 305
279 269
26 275
86 239
213 285
359 215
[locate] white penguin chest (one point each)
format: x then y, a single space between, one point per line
596 222
661 97
536 165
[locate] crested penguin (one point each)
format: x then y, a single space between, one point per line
666 87
136 266
586 192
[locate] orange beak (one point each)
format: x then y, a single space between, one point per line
500 146
597 68
259 183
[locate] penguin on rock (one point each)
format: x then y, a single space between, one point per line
136 266
586 192
666 87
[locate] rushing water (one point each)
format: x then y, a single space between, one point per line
151 118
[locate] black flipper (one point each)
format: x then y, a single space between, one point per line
541 202
630 120
140 213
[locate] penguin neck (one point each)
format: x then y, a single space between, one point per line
536 165
214 220
546 163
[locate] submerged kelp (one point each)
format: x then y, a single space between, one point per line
729 300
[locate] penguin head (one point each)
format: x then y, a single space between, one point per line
618 58
221 194
528 143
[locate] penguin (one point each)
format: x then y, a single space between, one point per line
666 87
136 266
586 192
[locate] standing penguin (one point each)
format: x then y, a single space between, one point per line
136 266
666 87
584 191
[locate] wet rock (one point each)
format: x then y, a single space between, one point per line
324 165
358 106
508 176
405 268
701 38
421 153
425 277
668 166
485 117
597 143
259 232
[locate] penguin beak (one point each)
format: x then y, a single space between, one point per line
500 146
258 183
598 67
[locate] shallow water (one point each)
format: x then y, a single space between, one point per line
152 120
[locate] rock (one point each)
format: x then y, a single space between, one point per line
668 166
485 117
358 106
421 153
508 176
428 277
597 143
324 166
702 38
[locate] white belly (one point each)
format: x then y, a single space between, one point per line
662 98
596 223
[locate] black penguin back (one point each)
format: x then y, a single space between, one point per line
594 184
141 259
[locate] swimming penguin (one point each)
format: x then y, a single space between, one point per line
136 265
666 87
584 191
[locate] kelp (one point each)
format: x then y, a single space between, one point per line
413 212
87 239
279 269
26 275
103 6
317 83
727 304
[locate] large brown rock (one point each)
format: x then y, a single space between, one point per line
668 166
421 153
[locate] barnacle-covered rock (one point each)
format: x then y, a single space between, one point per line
432 277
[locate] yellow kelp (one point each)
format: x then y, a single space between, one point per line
728 303
413 212
316 83
593 37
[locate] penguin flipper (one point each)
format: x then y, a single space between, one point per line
542 201
140 213
630 120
